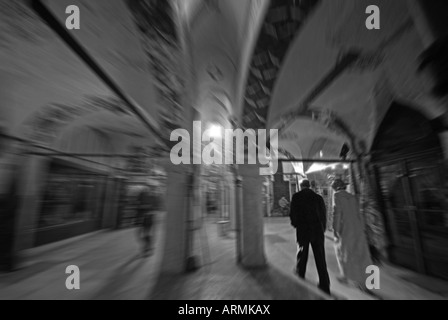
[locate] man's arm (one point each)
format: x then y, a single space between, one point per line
293 211
322 213
337 217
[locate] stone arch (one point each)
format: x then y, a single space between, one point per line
44 125
218 94
159 26
331 122
282 22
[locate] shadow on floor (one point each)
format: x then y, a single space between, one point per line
120 278
188 286
23 274
282 286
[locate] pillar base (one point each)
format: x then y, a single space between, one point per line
192 264
174 260
252 223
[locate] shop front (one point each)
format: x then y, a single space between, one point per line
412 185
72 202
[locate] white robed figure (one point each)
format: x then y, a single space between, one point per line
351 246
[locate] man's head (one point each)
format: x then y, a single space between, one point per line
305 184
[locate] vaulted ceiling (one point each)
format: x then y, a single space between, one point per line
46 87
361 95
282 23
219 32
251 61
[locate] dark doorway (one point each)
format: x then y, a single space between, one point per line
72 203
408 163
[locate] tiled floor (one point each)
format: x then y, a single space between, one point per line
112 268
395 283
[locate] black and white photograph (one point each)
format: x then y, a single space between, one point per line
223 154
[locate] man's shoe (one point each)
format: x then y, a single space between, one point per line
297 273
326 290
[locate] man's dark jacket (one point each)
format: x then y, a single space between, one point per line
308 214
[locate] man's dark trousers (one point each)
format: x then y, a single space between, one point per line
317 242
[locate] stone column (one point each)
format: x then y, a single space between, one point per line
252 228
194 219
197 194
268 196
204 199
232 201
238 215
31 188
222 199
374 220
176 204
111 200
119 183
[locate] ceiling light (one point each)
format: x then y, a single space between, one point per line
215 131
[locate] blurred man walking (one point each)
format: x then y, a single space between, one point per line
308 215
147 205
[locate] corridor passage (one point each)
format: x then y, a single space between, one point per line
110 262
396 283
157 149
113 268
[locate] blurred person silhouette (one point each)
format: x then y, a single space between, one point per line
284 205
308 215
146 207
351 246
